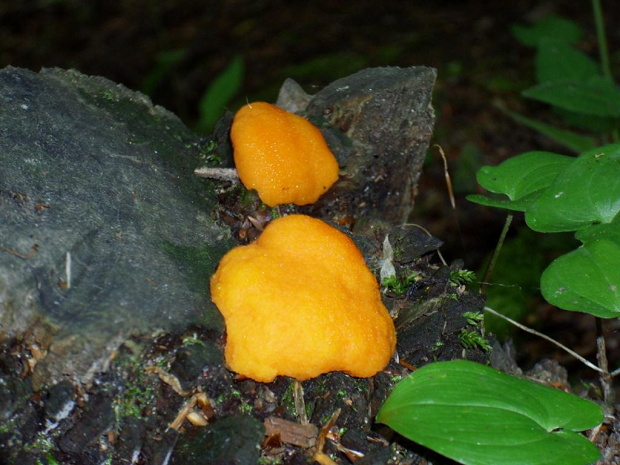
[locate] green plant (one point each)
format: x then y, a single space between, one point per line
515 286
461 277
486 414
165 61
473 337
221 91
581 91
479 416
559 193
475 414
398 285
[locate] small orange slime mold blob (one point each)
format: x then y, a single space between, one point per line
300 301
281 155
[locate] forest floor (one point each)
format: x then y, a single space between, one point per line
173 50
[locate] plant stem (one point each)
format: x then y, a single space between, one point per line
498 247
601 356
602 39
545 337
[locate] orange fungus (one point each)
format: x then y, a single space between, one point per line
300 302
281 155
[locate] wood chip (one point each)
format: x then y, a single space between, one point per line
291 432
197 418
169 379
183 413
300 404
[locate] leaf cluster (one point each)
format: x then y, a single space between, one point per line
580 90
560 193
477 415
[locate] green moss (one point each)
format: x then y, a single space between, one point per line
437 345
461 277
398 285
288 398
42 444
471 339
244 406
138 391
270 461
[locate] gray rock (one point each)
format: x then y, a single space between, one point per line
102 182
387 115
104 230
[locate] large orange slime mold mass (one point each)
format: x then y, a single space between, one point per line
300 302
281 155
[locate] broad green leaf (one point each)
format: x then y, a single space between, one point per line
597 232
219 93
479 416
587 279
520 205
597 96
557 61
521 178
576 142
591 123
552 27
587 192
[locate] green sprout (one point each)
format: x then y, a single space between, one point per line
437 345
472 339
398 285
474 318
460 277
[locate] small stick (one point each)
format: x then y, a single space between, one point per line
545 337
68 269
447 176
498 247
601 356
319 455
221 174
300 405
183 413
32 251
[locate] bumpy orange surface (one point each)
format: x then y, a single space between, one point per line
300 302
281 155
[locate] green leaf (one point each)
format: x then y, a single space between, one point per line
587 279
521 178
219 93
609 231
596 96
591 123
479 416
587 192
558 61
520 205
576 142
166 60
552 27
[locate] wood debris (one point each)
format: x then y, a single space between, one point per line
291 432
